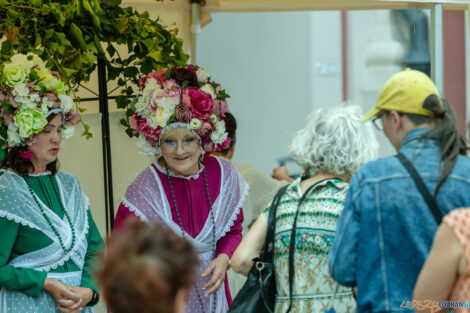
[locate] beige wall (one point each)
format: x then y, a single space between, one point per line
83 158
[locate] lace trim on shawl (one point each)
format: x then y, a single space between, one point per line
18 220
79 238
135 210
239 204
195 176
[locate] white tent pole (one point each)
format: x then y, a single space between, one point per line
437 56
195 28
467 70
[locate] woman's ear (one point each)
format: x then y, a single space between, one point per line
181 298
397 121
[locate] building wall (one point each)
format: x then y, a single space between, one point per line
268 63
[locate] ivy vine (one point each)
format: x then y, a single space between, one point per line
72 34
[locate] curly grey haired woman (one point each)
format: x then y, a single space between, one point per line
333 144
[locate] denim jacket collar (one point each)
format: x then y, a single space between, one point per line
414 141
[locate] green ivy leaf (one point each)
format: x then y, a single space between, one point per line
121 102
113 72
132 104
124 122
131 71
147 66
129 132
111 50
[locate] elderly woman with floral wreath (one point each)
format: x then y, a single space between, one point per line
48 234
179 118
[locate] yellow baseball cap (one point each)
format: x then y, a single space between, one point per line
405 92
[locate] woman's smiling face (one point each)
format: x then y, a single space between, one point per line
181 151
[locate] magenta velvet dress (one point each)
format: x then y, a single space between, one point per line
193 205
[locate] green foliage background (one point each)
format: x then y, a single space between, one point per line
72 34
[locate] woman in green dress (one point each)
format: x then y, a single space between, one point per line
48 234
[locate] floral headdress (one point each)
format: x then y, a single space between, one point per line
29 93
180 97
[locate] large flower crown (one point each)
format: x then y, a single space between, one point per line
181 96
29 93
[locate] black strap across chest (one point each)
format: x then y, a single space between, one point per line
421 187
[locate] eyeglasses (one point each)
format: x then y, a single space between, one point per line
188 145
377 121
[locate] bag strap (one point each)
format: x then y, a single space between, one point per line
271 230
292 240
330 303
421 187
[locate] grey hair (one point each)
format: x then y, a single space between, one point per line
335 141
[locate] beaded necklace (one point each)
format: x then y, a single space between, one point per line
199 297
69 220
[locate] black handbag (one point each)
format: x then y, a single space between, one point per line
259 291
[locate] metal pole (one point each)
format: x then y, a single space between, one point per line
195 28
467 71
106 144
437 55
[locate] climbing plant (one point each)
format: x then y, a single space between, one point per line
71 34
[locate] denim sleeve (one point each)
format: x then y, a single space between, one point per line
342 255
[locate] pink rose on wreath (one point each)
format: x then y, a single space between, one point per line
183 114
220 108
139 124
149 132
226 143
171 93
223 145
200 102
72 118
158 76
205 130
135 120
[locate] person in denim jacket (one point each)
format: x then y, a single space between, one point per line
386 229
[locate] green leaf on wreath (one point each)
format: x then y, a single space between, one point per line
6 48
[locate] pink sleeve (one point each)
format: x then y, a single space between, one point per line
232 238
122 214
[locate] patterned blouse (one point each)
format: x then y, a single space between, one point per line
316 225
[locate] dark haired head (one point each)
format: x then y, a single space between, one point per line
145 267
231 127
445 130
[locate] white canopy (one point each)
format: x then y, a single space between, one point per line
309 5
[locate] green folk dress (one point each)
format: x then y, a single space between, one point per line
316 225
30 250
